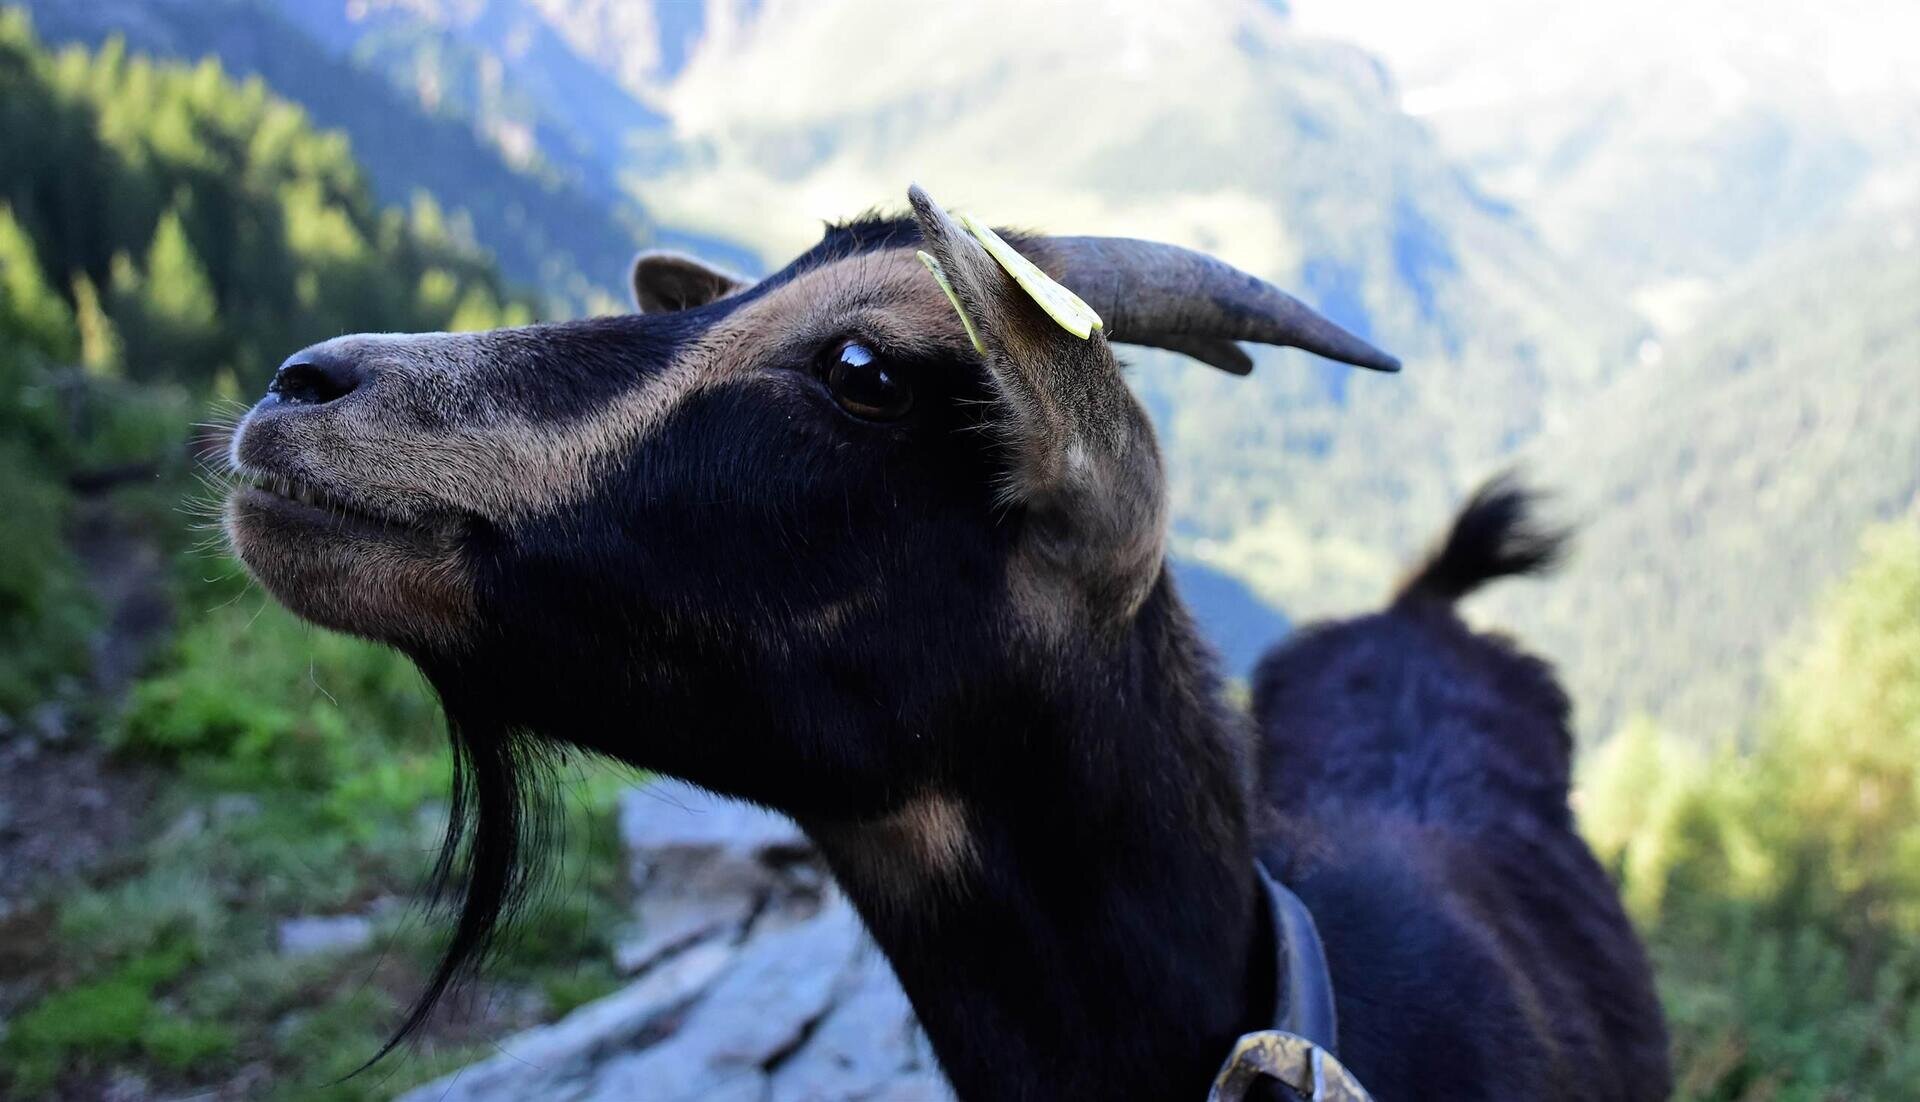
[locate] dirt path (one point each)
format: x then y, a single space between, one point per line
63 805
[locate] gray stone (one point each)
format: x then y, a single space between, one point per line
704 867
235 805
561 1061
864 1043
923 1086
677 1073
668 816
755 982
314 934
762 1008
670 925
788 979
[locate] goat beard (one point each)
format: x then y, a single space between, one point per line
499 815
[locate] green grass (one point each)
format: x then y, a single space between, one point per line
310 774
291 771
114 1018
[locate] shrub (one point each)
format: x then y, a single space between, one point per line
1780 886
112 1018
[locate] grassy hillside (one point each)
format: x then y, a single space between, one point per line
1722 490
184 767
208 223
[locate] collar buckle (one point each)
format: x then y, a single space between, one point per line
1292 1060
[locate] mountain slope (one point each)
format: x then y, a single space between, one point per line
1236 621
1719 495
1663 144
569 87
543 231
1209 124
498 64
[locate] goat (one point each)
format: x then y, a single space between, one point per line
1417 776
886 553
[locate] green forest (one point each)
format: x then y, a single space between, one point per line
168 233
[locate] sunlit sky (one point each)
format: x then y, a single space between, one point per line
1476 52
1639 90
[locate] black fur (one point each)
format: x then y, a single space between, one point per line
793 606
1417 773
1496 535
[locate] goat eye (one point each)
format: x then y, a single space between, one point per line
864 386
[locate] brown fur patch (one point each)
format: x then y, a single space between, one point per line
408 588
922 850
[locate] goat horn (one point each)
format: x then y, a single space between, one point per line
1219 352
1170 297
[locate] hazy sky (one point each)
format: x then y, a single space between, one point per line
1473 53
1773 114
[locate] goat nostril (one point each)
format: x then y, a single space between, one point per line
315 380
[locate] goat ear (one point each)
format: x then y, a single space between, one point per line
1083 461
666 281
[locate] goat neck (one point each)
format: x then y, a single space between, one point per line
1078 917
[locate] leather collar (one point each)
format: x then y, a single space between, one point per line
1303 988
1300 1049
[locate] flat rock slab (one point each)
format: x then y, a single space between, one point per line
754 982
867 1043
668 815
564 1060
705 867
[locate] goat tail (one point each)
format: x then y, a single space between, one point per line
1497 534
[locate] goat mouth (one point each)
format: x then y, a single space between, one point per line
304 500
340 561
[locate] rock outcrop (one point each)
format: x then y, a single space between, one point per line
752 980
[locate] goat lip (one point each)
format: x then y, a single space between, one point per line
306 501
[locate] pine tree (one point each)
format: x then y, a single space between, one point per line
478 310
31 311
101 351
179 294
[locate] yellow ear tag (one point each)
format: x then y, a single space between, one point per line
940 277
1062 305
